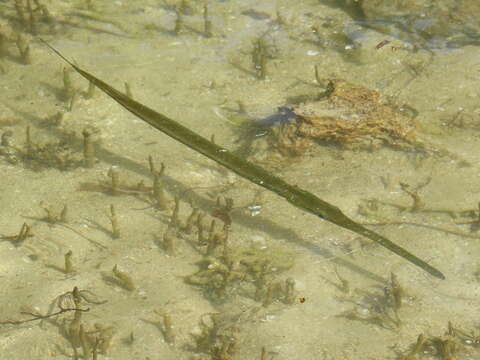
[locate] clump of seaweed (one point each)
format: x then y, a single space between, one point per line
33 17
449 346
39 156
245 271
217 338
261 52
226 270
349 116
56 154
380 308
272 141
92 340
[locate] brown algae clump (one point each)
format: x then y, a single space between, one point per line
348 115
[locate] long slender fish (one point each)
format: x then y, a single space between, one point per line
293 194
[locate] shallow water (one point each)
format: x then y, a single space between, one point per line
343 305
